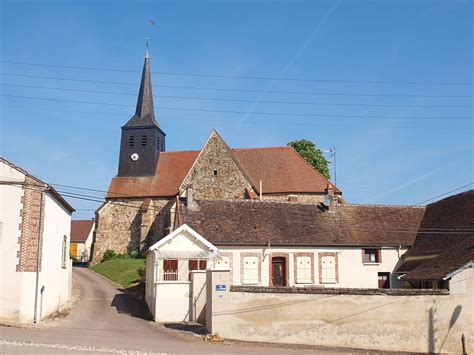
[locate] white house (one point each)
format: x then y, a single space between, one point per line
35 224
82 235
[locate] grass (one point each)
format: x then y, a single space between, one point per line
122 271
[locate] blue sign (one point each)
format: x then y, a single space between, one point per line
220 287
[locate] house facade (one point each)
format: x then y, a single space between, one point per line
290 244
140 205
82 236
35 269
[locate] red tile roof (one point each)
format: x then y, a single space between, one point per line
80 230
281 170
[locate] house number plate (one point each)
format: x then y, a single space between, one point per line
220 287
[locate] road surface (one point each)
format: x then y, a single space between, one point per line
108 321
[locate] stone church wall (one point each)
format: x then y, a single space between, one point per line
123 225
215 174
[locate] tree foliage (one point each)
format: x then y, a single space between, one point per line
312 155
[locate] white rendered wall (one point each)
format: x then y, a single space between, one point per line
55 278
17 289
172 301
351 270
10 217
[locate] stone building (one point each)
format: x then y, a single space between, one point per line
140 206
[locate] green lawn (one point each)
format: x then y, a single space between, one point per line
122 271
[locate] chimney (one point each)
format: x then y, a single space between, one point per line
293 198
330 198
190 197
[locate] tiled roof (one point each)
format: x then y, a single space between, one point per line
80 230
280 169
248 222
171 169
447 233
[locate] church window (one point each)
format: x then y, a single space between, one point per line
131 141
143 141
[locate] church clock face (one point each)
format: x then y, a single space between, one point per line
134 157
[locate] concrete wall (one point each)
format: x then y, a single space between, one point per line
424 323
198 282
352 271
172 301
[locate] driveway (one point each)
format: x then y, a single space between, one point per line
105 320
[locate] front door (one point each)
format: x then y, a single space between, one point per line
384 279
279 271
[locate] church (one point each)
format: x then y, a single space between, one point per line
143 199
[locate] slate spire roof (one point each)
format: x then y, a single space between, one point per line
144 113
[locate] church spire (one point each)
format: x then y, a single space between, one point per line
145 96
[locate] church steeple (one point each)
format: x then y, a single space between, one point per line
142 138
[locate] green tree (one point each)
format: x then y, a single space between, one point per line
312 155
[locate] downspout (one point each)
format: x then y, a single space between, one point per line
178 210
38 249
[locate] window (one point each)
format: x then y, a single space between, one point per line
222 264
250 270
64 253
170 270
384 279
131 141
194 264
328 268
303 270
215 172
371 256
143 141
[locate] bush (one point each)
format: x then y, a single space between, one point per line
142 273
135 253
108 255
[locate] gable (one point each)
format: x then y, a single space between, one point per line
216 173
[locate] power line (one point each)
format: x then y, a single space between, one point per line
243 112
81 196
254 101
245 77
237 90
266 123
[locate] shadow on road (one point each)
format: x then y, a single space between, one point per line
127 304
187 327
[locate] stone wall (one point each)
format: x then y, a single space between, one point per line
216 174
302 197
126 224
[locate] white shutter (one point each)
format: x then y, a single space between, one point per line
250 271
303 269
222 264
328 269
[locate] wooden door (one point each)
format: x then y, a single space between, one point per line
279 271
73 250
384 279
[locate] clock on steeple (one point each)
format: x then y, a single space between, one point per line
142 138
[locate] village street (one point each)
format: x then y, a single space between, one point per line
105 320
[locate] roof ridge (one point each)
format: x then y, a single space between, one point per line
381 205
181 151
257 148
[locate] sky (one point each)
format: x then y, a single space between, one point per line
399 73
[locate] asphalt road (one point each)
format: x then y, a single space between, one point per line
105 320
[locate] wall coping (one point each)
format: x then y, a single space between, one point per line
341 291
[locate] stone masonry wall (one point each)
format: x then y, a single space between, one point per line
301 197
215 174
121 225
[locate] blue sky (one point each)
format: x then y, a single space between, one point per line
379 160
